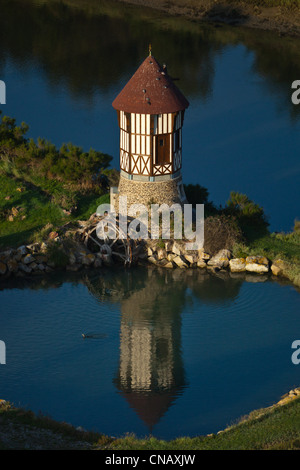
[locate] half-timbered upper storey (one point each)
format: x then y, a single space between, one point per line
150 113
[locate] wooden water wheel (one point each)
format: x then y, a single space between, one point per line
113 242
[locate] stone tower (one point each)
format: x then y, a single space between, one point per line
150 114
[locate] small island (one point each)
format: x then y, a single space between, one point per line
156 334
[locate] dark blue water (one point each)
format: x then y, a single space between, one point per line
241 131
175 353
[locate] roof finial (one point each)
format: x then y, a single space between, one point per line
150 49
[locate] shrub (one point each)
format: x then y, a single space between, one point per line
57 255
197 194
297 226
220 232
69 164
249 216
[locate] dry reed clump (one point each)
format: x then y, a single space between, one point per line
220 232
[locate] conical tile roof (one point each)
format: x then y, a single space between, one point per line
150 91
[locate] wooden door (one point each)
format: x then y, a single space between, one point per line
162 149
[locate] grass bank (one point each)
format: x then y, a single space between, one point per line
29 210
273 428
282 16
41 185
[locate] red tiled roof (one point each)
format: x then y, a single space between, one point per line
150 91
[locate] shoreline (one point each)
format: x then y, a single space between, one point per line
73 248
22 429
278 19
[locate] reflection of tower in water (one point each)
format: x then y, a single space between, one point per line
151 373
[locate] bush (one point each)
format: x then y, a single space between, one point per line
69 164
57 255
197 194
220 232
249 216
65 200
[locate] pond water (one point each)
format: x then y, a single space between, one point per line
174 352
64 66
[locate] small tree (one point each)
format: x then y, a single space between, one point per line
249 215
197 194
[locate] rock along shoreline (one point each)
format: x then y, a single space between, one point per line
70 251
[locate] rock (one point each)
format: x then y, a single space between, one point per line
168 264
17 256
22 250
201 263
34 247
176 249
237 265
171 256
15 211
150 251
161 253
12 265
81 253
203 255
44 247
169 245
33 266
41 267
28 259
25 268
3 268
52 235
6 255
278 267
221 259
257 264
72 258
181 262
87 260
276 270
164 263
152 259
192 258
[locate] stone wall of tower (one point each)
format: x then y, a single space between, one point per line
140 192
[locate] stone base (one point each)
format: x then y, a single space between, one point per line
139 192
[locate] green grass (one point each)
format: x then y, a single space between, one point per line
276 246
277 428
37 208
274 428
273 246
23 417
